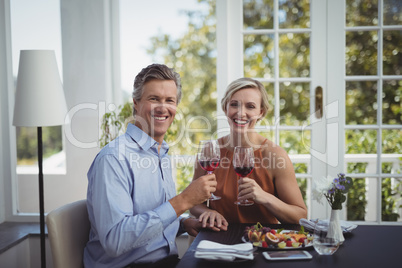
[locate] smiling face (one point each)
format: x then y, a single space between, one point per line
156 109
244 109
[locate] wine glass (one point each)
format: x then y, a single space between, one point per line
243 163
209 158
323 243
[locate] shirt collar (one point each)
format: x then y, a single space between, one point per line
144 140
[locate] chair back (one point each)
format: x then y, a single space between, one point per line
68 231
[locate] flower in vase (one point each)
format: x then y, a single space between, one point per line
334 190
320 186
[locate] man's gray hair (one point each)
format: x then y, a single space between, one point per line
154 72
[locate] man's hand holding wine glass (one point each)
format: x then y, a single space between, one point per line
209 157
200 189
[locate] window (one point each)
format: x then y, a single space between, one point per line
373 123
36 25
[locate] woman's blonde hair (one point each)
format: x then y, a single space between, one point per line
243 83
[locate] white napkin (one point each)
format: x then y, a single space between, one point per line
346 226
215 251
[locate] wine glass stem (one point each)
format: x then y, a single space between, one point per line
240 177
238 189
209 172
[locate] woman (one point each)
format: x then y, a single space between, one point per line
272 185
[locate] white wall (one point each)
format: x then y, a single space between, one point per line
7 133
3 86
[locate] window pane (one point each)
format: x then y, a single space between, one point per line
267 133
300 168
35 25
361 102
294 14
391 165
294 103
392 54
361 13
357 200
391 189
391 102
295 142
294 55
259 56
258 14
27 144
184 173
197 127
361 141
361 53
302 182
356 167
392 12
269 87
392 141
265 124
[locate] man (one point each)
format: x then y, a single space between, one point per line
131 199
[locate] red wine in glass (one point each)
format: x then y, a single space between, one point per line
243 163
243 171
209 158
209 165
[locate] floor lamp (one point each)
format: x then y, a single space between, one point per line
39 102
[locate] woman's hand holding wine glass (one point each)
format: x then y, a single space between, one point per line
243 163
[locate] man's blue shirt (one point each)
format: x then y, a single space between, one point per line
129 185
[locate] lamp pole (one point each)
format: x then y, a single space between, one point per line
41 200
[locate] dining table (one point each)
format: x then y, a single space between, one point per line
366 246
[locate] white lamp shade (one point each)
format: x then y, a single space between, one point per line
39 98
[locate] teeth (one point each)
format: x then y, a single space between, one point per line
160 118
242 122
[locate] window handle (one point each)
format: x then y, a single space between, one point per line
318 102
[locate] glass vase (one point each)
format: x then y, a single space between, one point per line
334 228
